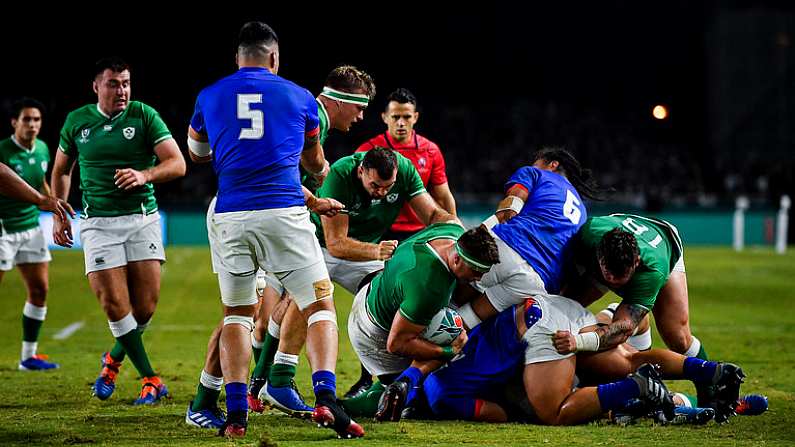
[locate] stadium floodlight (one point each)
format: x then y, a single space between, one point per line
659 112
739 223
782 222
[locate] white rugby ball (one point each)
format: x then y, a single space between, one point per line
444 327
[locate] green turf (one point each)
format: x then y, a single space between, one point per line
742 308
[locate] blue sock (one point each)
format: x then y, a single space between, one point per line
324 381
614 396
699 370
414 376
236 397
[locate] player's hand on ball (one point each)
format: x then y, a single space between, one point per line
327 207
128 178
564 342
386 249
459 342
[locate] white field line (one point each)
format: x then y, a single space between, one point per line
67 332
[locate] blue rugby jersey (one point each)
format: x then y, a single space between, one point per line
256 123
541 232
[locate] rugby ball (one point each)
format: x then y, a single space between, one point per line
444 327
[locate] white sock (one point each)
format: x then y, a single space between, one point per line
210 381
641 342
34 312
142 326
285 359
695 346
274 328
123 326
685 400
29 349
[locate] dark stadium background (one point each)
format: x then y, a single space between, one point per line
494 83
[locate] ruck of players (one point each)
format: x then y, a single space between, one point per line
488 323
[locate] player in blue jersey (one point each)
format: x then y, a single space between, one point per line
517 341
256 128
533 225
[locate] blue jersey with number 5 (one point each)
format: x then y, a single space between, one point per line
256 123
551 216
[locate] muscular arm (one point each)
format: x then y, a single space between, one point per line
61 178
339 245
515 190
443 196
171 166
200 138
11 185
404 339
625 321
428 211
313 158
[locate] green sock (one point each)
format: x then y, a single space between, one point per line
134 347
265 359
281 375
366 404
117 353
693 399
702 354
30 328
256 352
205 398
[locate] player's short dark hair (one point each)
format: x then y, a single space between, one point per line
618 250
382 159
347 78
402 96
256 39
112 63
480 243
25 103
582 179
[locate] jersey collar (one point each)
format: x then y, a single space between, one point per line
394 144
14 139
106 116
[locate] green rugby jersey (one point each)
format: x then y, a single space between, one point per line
31 165
368 218
103 144
306 179
416 281
659 246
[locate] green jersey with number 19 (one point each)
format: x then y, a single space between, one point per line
103 144
658 243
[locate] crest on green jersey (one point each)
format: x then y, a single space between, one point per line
84 135
128 132
392 197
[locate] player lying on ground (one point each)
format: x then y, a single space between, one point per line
518 341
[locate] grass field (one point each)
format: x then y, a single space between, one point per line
742 308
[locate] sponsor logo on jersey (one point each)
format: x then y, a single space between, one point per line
392 197
99 260
107 128
152 247
128 132
31 161
44 166
374 202
84 135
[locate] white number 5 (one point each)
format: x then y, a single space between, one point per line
244 112
571 208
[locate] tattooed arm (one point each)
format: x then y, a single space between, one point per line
625 321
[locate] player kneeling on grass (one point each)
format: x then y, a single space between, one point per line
390 314
517 341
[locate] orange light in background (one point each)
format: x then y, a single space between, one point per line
659 112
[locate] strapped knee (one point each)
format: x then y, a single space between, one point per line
237 289
322 315
246 322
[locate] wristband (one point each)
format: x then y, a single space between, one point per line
491 222
588 341
447 353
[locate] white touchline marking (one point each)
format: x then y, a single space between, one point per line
67 332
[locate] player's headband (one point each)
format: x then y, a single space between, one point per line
472 262
352 98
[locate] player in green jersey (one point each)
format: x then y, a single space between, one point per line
116 143
373 186
22 241
641 260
